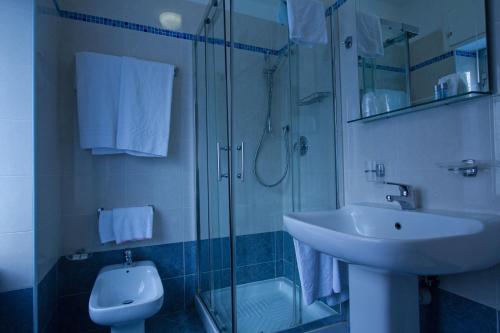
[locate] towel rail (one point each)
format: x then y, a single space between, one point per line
99 210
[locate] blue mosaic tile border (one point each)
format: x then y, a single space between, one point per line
468 54
457 53
432 60
174 34
157 31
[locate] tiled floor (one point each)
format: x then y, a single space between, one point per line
178 322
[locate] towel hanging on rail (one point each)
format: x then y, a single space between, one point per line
124 104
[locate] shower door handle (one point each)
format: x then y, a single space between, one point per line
241 150
219 174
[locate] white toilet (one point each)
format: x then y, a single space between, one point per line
124 296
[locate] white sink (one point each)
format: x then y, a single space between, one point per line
425 244
387 248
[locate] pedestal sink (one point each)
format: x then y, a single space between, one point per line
387 249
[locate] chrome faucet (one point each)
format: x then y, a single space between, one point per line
407 198
127 255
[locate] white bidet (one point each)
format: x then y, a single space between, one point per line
124 296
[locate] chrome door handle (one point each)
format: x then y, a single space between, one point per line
219 174
241 149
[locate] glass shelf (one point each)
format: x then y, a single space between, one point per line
422 106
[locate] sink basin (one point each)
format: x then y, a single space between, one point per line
415 242
387 249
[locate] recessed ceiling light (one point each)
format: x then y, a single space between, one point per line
170 20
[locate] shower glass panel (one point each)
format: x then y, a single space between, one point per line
267 301
281 148
213 180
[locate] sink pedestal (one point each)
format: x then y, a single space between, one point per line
382 301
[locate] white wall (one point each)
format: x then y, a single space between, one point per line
16 144
88 182
412 145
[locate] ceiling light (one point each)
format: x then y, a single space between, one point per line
171 21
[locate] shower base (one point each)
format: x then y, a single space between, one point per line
264 306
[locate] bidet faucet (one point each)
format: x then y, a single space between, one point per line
127 255
407 198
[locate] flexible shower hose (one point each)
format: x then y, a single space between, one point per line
286 144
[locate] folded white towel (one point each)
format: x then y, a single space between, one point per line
307 22
132 224
370 38
320 275
145 105
98 97
106 232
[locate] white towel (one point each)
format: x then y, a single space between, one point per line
98 97
132 224
281 14
106 231
320 275
307 22
145 105
370 38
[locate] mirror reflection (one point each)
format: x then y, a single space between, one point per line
414 52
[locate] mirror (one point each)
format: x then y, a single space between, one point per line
419 52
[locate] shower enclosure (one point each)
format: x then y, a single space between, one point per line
266 145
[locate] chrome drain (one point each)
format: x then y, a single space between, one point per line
128 301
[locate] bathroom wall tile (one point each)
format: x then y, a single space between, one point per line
47 298
253 273
456 314
173 295
280 268
74 314
279 244
256 248
18 157
168 258
190 283
221 279
16 311
189 258
290 270
76 277
16 201
288 247
215 254
16 261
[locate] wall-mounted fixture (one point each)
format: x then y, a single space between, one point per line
79 255
374 171
466 168
171 20
302 145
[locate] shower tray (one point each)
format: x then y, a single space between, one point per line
266 306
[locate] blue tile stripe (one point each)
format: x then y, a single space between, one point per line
467 54
157 31
457 53
432 61
174 34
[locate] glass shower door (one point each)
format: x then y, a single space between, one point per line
213 181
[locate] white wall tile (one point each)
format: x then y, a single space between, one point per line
16 147
16 261
16 204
